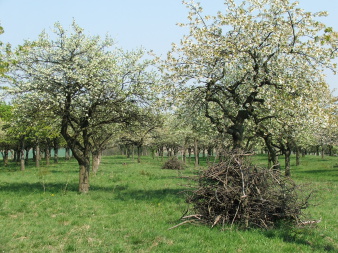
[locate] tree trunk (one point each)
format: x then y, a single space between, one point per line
209 152
22 159
196 152
237 133
37 155
275 161
189 152
330 147
287 161
216 155
249 144
67 154
56 149
34 153
5 157
169 153
47 155
84 177
27 155
237 142
298 150
139 152
303 152
160 152
83 159
56 155
152 151
175 150
96 155
128 151
21 155
272 152
269 160
80 149
15 156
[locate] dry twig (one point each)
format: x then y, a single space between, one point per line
236 192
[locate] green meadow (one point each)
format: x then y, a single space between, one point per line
131 206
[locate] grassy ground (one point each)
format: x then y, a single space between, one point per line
131 206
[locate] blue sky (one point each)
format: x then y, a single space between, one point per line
132 23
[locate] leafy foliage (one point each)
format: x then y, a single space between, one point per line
84 84
244 61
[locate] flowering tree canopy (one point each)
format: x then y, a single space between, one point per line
85 82
253 53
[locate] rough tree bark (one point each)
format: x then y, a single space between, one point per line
96 160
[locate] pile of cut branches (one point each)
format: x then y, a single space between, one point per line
173 164
236 192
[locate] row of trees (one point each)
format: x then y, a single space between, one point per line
167 134
250 74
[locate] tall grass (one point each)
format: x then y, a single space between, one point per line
130 207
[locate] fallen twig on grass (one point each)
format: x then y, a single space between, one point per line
184 222
310 222
197 216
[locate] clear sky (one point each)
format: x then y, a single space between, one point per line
132 23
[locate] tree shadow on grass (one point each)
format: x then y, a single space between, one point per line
319 171
301 236
25 188
122 192
166 194
326 175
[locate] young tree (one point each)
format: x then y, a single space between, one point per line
236 58
84 83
